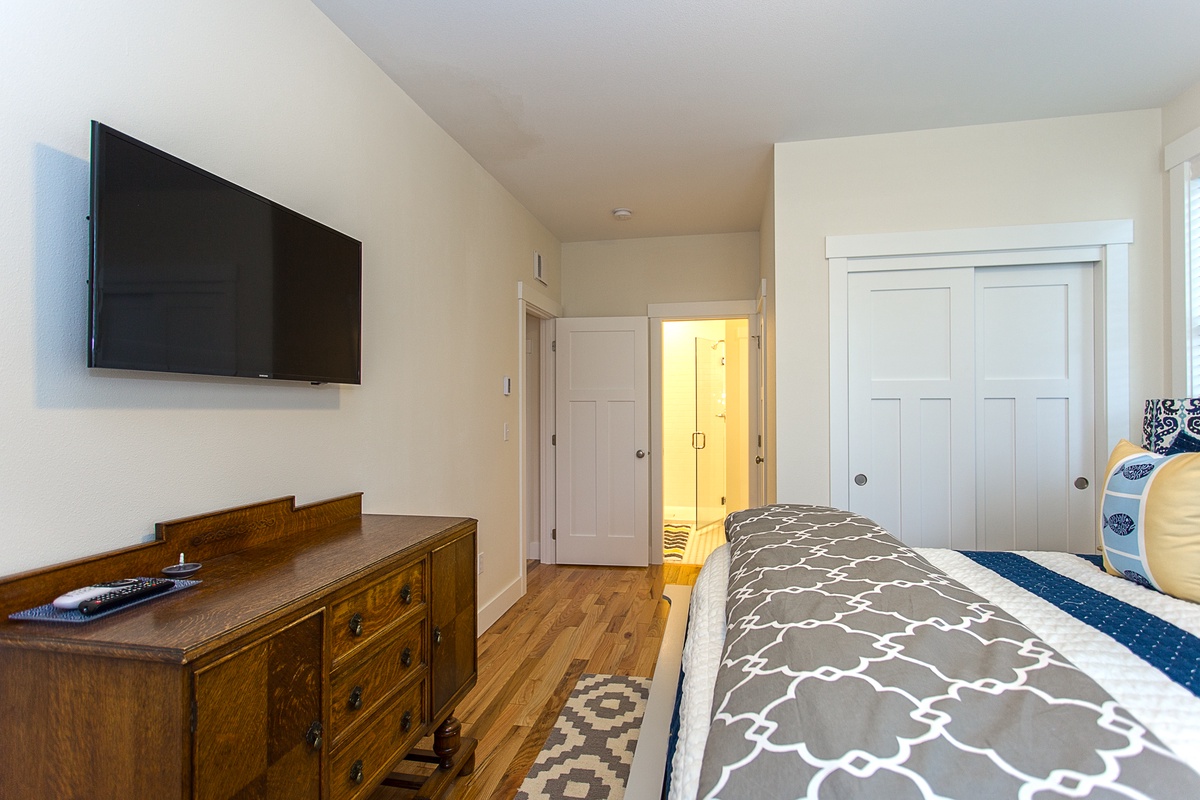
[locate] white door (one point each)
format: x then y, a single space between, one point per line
971 406
911 428
603 441
1035 408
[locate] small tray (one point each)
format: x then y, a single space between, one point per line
48 613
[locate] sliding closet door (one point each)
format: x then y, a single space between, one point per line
911 394
1035 408
971 406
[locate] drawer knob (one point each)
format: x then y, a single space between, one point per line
406 722
406 657
356 771
406 594
313 737
356 622
437 635
356 698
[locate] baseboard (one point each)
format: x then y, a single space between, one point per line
493 609
649 767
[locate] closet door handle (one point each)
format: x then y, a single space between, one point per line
698 444
860 479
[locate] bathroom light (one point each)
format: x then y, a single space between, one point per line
622 214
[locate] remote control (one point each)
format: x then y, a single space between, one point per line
71 600
124 595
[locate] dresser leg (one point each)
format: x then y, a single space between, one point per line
446 741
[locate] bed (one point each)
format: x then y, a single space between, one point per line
825 659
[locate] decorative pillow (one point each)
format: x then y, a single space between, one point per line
1184 442
1150 519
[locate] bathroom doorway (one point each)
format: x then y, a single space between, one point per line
707 431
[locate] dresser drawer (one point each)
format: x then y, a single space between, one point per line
359 765
364 615
363 685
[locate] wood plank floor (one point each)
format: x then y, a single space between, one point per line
571 621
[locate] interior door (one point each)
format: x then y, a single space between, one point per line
1035 407
911 428
603 441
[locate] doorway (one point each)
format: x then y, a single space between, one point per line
706 432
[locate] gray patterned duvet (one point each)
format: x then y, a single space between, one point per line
853 668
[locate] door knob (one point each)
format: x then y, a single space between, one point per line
759 459
860 479
640 454
1081 483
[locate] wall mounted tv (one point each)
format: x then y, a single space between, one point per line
191 273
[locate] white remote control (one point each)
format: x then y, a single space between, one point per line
71 600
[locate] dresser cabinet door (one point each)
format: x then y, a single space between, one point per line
255 711
452 614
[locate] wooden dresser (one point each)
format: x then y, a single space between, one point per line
321 645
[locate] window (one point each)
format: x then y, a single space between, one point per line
1192 288
1181 160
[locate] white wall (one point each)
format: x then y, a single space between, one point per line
1058 170
619 277
272 96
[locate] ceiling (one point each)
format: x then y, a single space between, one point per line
670 107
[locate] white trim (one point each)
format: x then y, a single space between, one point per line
649 767
1185 148
976 240
544 303
532 302
716 309
656 442
1105 244
493 609
546 548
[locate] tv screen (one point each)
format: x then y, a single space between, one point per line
191 273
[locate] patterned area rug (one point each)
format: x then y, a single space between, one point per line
675 541
588 753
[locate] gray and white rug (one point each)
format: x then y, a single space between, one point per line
587 755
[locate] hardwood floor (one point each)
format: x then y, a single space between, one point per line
571 621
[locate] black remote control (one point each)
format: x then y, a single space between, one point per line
125 595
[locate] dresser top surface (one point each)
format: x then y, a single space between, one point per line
244 588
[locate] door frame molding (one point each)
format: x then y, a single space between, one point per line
658 313
530 301
1103 244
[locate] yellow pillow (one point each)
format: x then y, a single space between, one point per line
1150 519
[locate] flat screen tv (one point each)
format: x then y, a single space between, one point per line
191 273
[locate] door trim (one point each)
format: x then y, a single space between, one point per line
658 312
531 302
1103 244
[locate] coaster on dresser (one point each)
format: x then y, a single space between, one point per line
587 755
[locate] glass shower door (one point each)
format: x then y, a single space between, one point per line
708 440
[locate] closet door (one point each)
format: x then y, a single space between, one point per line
911 395
1035 408
971 406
